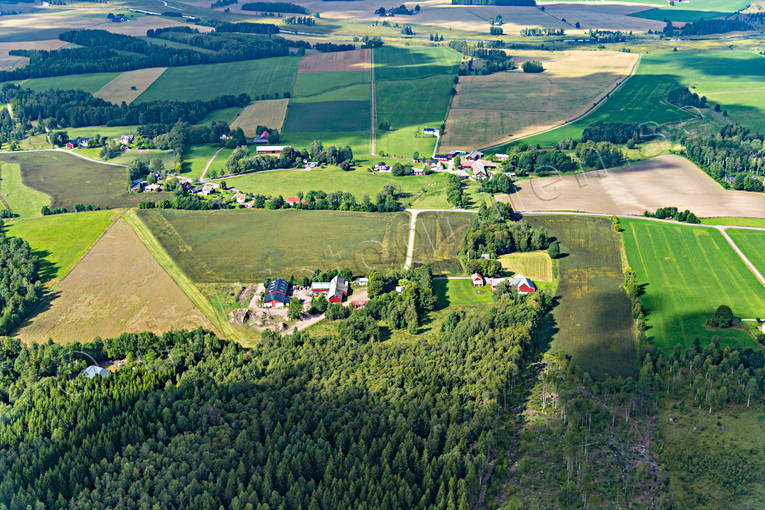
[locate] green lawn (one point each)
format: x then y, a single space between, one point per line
752 243
460 293
61 240
87 82
731 78
207 81
250 245
739 222
688 272
359 182
23 200
197 157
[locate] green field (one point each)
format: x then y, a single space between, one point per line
198 156
731 78
87 82
393 63
329 115
359 182
460 293
71 180
359 141
203 82
438 239
332 86
249 245
224 115
60 241
593 318
687 273
752 243
739 222
22 200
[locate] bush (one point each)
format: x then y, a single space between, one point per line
532 66
723 317
554 250
336 311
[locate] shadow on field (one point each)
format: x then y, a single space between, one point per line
44 305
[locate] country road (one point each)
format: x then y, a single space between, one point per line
207 166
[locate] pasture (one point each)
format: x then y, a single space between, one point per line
21 199
268 76
635 188
129 85
250 245
593 319
752 243
488 110
335 86
438 239
198 156
394 63
687 273
359 141
70 180
327 116
270 113
88 82
359 182
739 222
460 292
117 287
60 241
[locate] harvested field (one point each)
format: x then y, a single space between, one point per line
355 60
129 85
11 62
593 318
249 245
687 272
70 180
488 110
438 239
536 265
658 182
270 112
604 16
117 287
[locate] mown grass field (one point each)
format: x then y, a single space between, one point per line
60 241
687 273
393 63
198 156
88 82
117 287
732 78
438 239
460 293
536 265
22 200
359 182
593 318
269 113
752 243
70 180
739 222
333 86
202 82
129 85
250 245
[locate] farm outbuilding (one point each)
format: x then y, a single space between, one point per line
277 294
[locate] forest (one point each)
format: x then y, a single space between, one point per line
497 231
234 45
296 422
275 7
20 285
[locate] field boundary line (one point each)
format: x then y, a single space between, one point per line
176 273
740 253
607 95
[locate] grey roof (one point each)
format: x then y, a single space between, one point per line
277 291
94 370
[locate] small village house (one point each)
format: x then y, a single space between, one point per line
126 139
502 157
273 150
430 131
335 290
477 279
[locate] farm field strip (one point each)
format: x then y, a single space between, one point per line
129 85
679 295
752 244
87 82
21 199
269 112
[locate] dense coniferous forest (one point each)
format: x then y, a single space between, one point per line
618 132
735 151
20 285
682 96
245 27
236 46
275 7
298 421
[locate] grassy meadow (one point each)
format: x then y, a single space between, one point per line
359 182
60 241
752 243
70 180
332 86
198 156
739 222
250 245
460 293
207 81
593 319
88 82
438 239
270 113
687 272
22 200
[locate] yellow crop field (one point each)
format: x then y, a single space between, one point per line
270 112
129 85
536 265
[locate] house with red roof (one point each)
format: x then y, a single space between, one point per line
477 280
334 290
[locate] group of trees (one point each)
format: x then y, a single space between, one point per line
241 160
527 160
226 45
708 26
682 96
542 32
47 211
671 213
405 309
532 66
455 191
275 7
618 132
497 231
20 285
734 151
297 421
385 201
607 36
599 155
497 183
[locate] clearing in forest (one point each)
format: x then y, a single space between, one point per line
687 272
646 186
270 113
250 245
129 85
354 60
488 110
116 288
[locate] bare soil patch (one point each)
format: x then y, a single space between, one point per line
11 62
492 109
658 182
354 60
117 287
603 16
129 85
270 112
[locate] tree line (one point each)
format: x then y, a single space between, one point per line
227 45
275 7
20 285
